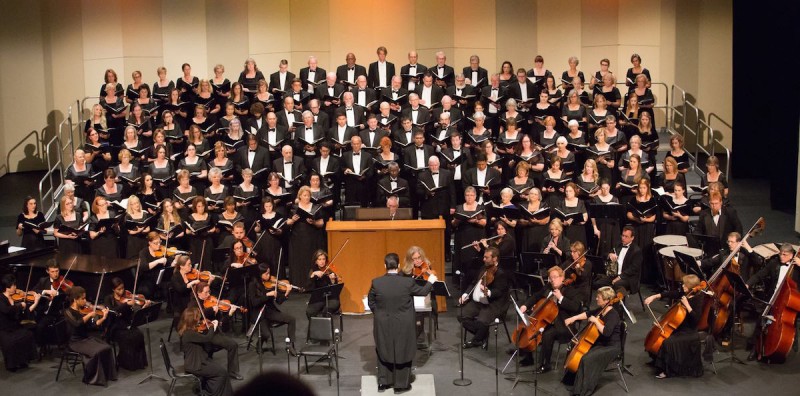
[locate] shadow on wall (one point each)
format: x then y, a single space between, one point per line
33 146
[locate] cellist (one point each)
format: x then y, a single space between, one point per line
679 354
568 299
773 275
607 318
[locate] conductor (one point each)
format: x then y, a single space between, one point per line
390 300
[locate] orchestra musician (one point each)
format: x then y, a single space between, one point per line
680 353
214 378
718 220
321 275
556 243
267 293
16 342
628 259
607 319
100 364
485 300
182 286
49 312
151 259
417 265
130 340
202 292
569 302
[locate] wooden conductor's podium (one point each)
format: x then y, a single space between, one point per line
362 259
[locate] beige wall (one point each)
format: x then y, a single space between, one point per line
53 52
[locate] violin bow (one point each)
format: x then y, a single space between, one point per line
99 288
280 252
253 249
28 285
199 306
336 255
67 273
202 253
576 260
225 276
136 280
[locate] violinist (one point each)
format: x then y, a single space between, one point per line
485 300
130 340
151 259
240 255
625 264
607 319
418 266
773 275
569 301
182 286
214 377
16 342
100 365
203 292
49 312
679 354
263 294
322 275
579 271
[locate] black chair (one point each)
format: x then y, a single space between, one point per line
72 358
321 344
272 325
639 291
173 374
620 359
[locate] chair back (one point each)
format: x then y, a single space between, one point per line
165 355
320 329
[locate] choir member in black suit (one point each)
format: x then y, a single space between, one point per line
458 159
300 96
523 90
477 75
330 94
99 359
281 80
390 299
390 184
386 120
411 71
321 118
773 275
437 197
718 220
290 167
371 135
628 260
418 114
348 73
355 114
363 95
253 157
447 108
28 225
568 299
429 93
485 299
272 135
312 73
397 96
288 115
489 96
445 75
307 138
679 355
458 92
380 72
415 159
195 345
16 342
485 180
328 167
321 275
359 185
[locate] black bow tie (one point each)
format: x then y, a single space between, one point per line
419 147
287 163
441 67
394 91
349 109
626 246
456 150
355 154
495 89
434 173
351 68
272 130
394 180
371 131
252 151
312 71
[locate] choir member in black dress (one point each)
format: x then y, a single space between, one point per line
281 197
679 355
643 219
485 299
556 243
116 113
29 225
221 161
587 181
322 275
195 345
568 75
567 157
506 74
184 193
601 152
68 240
598 76
127 172
630 178
308 234
610 92
227 219
141 121
248 198
162 87
100 365
677 152
644 94
597 114
205 122
469 225
216 192
539 71
201 242
521 183
16 342
554 174
137 227
187 84
263 97
196 166
322 196
573 108
568 299
130 340
713 174
606 230
273 224
671 176
269 299
571 204
205 96
162 171
147 194
633 72
635 148
104 239
234 137
548 136
97 121
110 189
608 321
533 225
97 152
221 86
250 76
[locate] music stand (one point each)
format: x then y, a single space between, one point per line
709 244
243 275
532 266
257 327
326 293
740 287
439 289
606 211
688 264
141 317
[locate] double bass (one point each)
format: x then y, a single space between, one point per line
724 292
671 320
781 313
584 341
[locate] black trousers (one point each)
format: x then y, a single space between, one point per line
215 379
231 346
280 317
476 319
606 281
395 375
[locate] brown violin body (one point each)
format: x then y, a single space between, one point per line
282 284
778 336
62 284
167 252
224 305
423 271
21 296
127 296
194 274
542 315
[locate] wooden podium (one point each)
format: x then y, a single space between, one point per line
362 259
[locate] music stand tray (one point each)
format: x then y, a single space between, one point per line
709 244
688 265
323 294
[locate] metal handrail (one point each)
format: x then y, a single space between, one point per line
53 190
24 139
715 142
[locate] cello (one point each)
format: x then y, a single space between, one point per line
543 314
671 320
780 314
584 341
721 287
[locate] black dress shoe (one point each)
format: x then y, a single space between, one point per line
485 345
753 355
383 387
398 391
236 376
526 362
470 344
542 369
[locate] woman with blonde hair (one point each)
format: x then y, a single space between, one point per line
68 240
137 225
308 234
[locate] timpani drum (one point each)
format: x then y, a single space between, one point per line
672 269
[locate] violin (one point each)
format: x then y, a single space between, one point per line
194 274
203 326
488 276
245 259
62 284
127 296
669 322
167 252
578 270
584 341
224 305
283 284
20 296
97 309
423 271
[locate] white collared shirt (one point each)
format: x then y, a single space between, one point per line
312 76
357 162
351 74
382 73
351 116
412 69
282 79
621 258
426 95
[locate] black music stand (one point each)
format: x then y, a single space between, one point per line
606 211
257 327
141 317
688 264
709 244
242 276
326 293
531 268
740 287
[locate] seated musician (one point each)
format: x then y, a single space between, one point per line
569 302
680 353
130 340
100 365
773 275
151 260
182 286
214 378
263 294
322 275
16 342
418 266
607 319
49 311
578 271
203 292
627 258
485 300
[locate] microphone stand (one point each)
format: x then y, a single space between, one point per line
496 361
461 381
